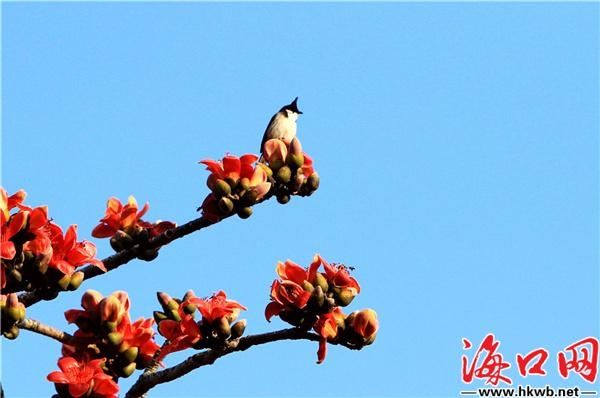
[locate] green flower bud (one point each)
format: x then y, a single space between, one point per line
14 313
76 280
11 333
225 205
284 174
308 286
283 198
109 326
63 282
115 338
174 315
222 328
345 297
238 328
130 354
221 188
320 280
249 197
244 212
15 275
232 183
148 254
318 298
190 308
267 169
244 184
127 370
313 181
159 316
164 299
41 265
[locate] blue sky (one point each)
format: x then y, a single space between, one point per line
457 146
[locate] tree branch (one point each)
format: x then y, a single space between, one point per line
37 327
124 256
149 380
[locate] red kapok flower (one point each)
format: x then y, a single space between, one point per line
84 377
289 292
119 217
327 327
180 334
234 168
67 253
216 307
9 229
337 275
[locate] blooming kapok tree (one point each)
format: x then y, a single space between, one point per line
40 260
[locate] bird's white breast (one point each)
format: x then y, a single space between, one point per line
284 127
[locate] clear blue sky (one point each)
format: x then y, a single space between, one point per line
457 145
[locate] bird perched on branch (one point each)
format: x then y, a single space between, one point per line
283 124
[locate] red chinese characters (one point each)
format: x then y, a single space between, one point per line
583 359
536 358
487 364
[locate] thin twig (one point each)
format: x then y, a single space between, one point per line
149 380
37 327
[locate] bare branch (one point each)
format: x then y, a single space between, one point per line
149 380
37 327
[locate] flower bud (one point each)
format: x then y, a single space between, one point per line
308 286
15 275
109 326
163 299
250 197
41 264
244 212
320 280
190 308
225 205
115 338
130 354
318 298
111 309
364 324
188 295
284 174
221 188
313 181
121 240
90 300
127 370
244 184
63 282
238 328
345 296
222 328
76 280
159 316
266 168
11 333
174 315
283 198
148 254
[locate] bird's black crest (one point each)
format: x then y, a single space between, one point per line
293 106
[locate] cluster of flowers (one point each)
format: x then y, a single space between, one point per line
124 226
36 254
291 169
217 325
11 312
111 347
307 298
236 184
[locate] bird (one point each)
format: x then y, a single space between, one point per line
283 124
